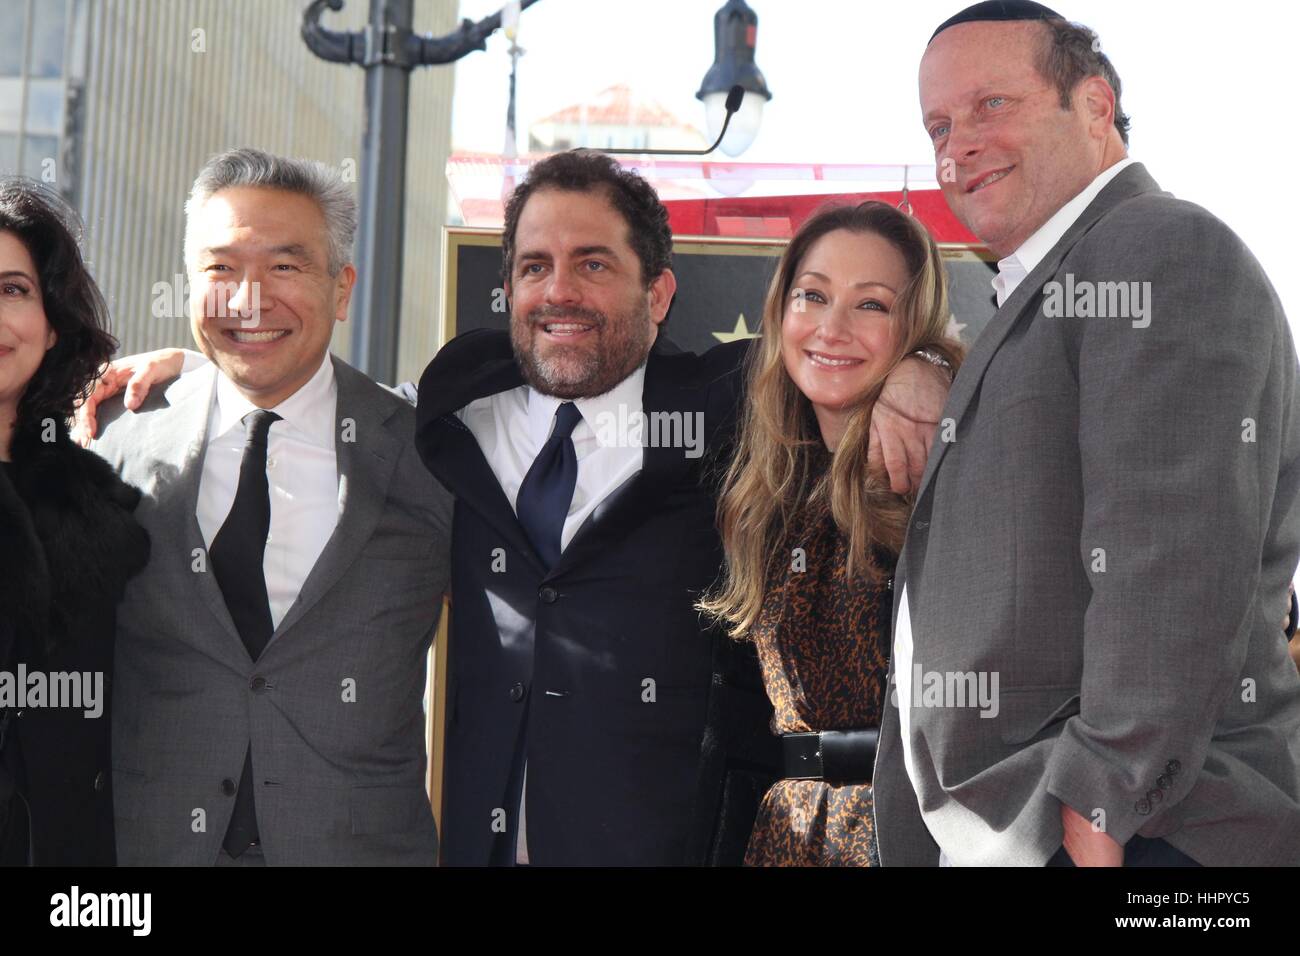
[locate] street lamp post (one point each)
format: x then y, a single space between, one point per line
735 33
510 17
388 50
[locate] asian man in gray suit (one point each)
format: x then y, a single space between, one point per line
1087 664
270 663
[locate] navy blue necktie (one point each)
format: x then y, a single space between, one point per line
236 555
547 491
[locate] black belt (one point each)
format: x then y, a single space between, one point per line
840 756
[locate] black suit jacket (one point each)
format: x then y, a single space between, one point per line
643 727
68 545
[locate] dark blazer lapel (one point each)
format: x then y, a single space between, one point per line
1132 181
671 385
467 475
365 468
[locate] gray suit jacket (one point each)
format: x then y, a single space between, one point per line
333 707
1111 533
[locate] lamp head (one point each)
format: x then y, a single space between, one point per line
735 32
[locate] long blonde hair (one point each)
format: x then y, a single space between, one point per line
774 472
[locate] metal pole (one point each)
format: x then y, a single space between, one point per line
383 196
512 137
388 50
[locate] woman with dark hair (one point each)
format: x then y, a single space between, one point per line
68 544
811 529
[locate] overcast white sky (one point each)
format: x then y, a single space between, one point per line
1211 96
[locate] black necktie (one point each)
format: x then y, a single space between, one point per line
236 555
547 490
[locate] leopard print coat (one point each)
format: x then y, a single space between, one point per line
823 643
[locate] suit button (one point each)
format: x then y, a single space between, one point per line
1164 781
920 525
1173 767
258 683
547 594
1155 796
1143 806
517 693
101 781
228 787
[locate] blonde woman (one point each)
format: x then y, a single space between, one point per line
811 528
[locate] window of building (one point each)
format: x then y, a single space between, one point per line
13 14
34 87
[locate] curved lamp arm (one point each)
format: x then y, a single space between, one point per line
397 47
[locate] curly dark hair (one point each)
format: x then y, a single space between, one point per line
582 170
50 229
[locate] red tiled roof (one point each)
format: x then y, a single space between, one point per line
616 106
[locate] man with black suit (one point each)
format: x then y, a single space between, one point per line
593 716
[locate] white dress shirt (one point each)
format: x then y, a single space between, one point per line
1012 270
1016 267
511 428
302 478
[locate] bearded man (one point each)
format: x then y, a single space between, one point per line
593 716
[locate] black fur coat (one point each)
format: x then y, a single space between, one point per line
68 545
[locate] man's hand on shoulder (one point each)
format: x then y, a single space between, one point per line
904 420
137 374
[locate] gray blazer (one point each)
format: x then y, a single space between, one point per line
333 708
1111 533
